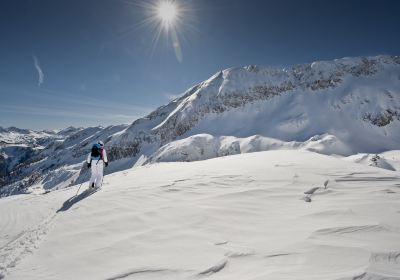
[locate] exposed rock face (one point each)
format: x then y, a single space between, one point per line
383 118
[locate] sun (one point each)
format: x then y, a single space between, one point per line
167 12
167 18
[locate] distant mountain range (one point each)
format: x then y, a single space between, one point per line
344 106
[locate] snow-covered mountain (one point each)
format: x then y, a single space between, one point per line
357 100
27 137
19 145
321 201
45 159
345 106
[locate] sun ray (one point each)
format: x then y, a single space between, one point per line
163 18
166 17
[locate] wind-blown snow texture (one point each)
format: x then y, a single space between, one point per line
354 102
238 217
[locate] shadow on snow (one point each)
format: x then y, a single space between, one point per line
75 199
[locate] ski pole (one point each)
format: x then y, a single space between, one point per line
80 186
79 189
102 180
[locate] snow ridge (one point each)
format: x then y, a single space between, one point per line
205 146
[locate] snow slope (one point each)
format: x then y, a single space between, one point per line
238 217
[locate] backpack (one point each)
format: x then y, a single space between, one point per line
96 151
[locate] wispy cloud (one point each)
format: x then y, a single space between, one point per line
36 63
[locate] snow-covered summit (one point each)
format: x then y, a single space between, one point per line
355 99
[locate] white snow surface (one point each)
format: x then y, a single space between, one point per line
238 217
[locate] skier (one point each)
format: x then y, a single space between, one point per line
96 160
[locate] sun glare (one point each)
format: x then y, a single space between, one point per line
168 18
167 12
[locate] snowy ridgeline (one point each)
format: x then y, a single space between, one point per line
205 146
346 106
239 217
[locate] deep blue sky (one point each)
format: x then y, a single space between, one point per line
100 66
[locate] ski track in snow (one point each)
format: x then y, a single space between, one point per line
28 240
25 243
